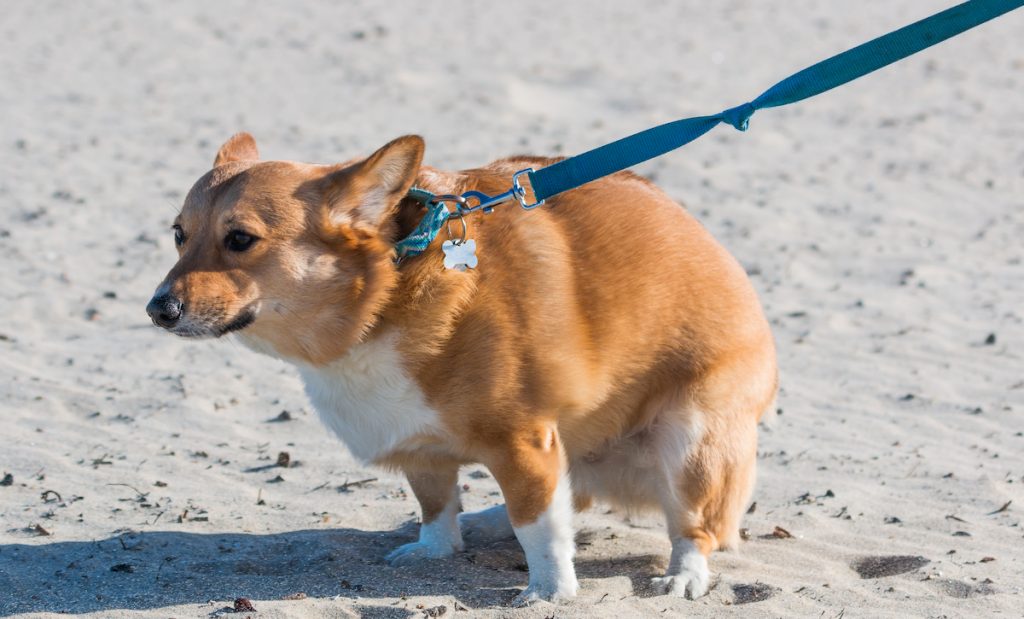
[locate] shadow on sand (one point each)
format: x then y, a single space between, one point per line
144 570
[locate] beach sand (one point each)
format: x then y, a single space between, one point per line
881 223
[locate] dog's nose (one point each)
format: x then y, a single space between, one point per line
165 310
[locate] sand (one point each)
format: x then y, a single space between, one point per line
881 223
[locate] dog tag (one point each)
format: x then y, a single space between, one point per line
459 256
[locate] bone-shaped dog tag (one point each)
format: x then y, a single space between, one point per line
459 256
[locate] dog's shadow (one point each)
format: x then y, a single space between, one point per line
145 570
162 568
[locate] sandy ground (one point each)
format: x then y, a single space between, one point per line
881 223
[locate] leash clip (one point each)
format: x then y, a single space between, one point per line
519 192
461 206
487 203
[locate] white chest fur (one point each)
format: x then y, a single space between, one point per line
369 401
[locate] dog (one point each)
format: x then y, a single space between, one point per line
605 346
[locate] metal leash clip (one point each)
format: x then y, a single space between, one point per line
487 203
460 253
461 205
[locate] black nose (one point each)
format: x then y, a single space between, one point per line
165 310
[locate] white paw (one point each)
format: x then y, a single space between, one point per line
691 582
486 526
549 548
408 554
687 574
539 593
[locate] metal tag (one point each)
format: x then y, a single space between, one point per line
459 256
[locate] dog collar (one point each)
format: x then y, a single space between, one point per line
428 228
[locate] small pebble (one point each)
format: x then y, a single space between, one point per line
282 416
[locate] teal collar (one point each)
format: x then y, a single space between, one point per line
428 228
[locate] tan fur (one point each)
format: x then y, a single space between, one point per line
603 332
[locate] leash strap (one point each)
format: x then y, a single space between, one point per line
814 80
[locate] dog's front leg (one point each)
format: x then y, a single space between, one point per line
438 494
531 470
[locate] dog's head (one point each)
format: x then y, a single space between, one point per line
295 257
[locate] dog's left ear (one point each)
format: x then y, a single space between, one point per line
239 147
370 191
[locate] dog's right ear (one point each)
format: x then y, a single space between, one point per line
369 191
239 147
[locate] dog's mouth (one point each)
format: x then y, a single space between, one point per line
245 318
201 329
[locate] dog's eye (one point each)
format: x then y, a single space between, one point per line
236 240
179 235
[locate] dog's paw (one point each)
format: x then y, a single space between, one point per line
408 554
691 582
537 593
486 526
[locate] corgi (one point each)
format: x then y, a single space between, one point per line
605 346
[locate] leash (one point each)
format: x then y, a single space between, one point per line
629 151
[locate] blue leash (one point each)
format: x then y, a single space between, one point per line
629 151
814 80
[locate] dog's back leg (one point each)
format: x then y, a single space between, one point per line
487 525
704 509
711 487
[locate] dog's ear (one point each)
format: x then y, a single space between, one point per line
239 147
370 190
